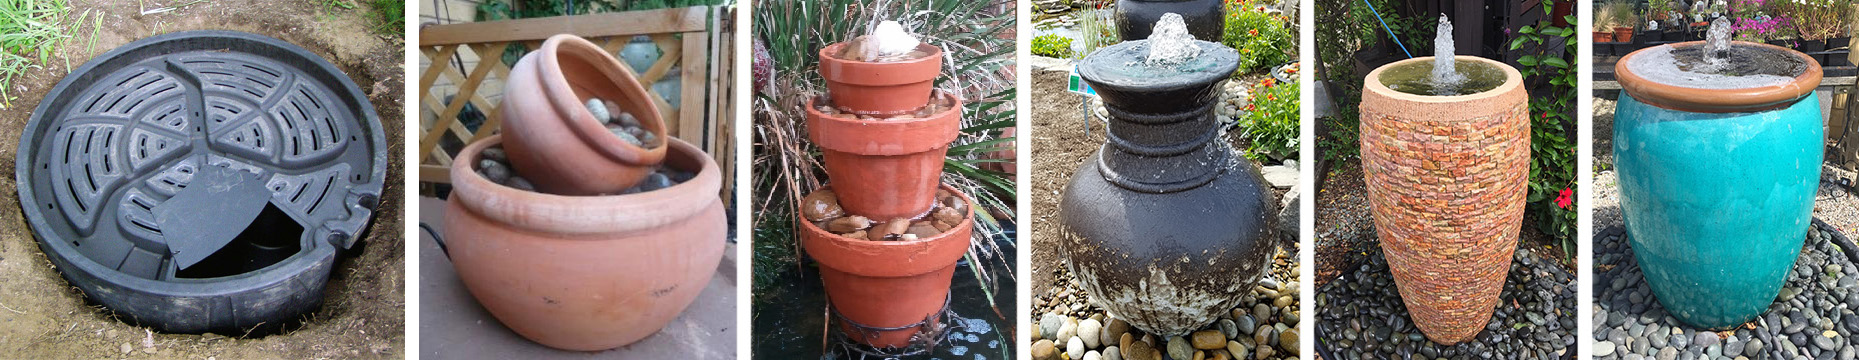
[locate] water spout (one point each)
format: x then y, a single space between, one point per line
1446 78
890 40
1170 43
1717 46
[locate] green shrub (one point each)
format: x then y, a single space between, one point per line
1270 124
1052 45
1262 39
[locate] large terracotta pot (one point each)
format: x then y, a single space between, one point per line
888 284
1166 227
555 141
586 272
880 88
885 169
1717 187
1206 19
1446 178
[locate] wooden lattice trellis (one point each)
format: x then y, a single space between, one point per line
686 37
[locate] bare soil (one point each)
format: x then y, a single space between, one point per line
1060 145
43 317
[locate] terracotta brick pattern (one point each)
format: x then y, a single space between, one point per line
1447 195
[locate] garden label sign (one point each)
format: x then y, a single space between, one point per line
1077 85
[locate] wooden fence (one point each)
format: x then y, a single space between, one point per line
695 42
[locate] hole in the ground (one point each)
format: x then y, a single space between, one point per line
269 239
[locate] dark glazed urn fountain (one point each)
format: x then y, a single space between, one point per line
1164 225
1206 19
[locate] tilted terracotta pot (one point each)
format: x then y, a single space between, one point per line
555 141
886 284
586 272
885 169
880 88
1447 177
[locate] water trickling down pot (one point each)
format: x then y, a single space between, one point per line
1446 161
1694 117
1165 227
887 235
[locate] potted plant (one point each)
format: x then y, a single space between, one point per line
1817 22
1603 25
1624 20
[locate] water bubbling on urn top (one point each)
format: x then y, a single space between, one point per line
1717 63
1169 56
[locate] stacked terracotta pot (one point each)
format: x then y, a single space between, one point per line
566 266
883 155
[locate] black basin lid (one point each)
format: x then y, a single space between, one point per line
153 156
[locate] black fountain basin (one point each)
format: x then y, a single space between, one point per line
202 180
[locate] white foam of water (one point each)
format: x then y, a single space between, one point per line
1658 65
1717 46
1446 78
890 39
1170 43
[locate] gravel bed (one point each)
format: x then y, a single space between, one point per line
1811 317
1362 316
1069 325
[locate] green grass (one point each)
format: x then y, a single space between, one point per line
390 17
29 33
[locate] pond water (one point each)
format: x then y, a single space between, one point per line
795 326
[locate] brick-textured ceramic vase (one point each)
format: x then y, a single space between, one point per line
1447 177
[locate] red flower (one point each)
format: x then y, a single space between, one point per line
1253 32
1564 198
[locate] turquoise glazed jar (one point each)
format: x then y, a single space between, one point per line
1717 185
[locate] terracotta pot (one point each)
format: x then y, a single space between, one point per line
1623 34
888 284
1010 162
880 88
555 141
586 272
1603 36
1446 179
885 169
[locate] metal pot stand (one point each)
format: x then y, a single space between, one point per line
203 180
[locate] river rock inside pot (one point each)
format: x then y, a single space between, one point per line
621 123
822 208
494 165
936 105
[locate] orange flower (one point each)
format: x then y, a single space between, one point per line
1268 82
1269 97
1253 32
1247 108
